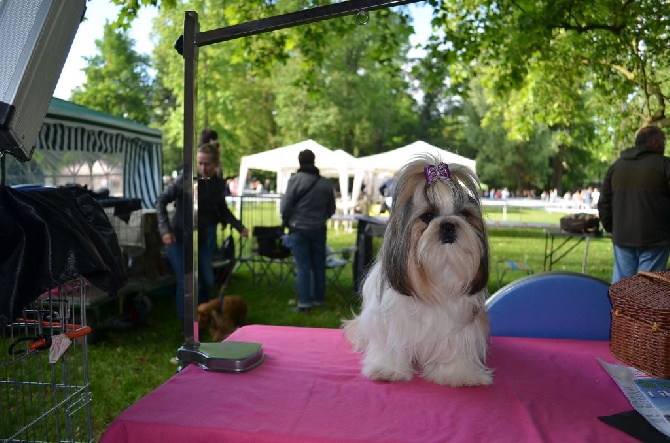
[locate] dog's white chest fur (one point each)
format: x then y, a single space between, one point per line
400 335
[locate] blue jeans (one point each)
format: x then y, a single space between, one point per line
175 254
309 251
628 261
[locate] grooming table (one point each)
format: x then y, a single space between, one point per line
310 389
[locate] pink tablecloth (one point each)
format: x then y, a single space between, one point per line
310 389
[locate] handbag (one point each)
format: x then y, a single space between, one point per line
581 224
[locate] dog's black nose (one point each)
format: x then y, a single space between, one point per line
447 232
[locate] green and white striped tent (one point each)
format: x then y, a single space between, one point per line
74 138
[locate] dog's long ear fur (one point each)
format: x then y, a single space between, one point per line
394 255
469 180
395 258
213 304
481 279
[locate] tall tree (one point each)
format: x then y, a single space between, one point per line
117 79
233 96
502 161
359 102
333 81
620 49
439 108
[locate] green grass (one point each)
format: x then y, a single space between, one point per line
125 365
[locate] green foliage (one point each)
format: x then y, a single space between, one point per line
359 102
130 8
564 55
117 79
263 92
543 94
502 161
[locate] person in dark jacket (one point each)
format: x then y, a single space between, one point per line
212 209
634 205
306 206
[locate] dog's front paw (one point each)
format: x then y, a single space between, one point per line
458 374
385 374
384 370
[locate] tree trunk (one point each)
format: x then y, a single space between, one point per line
557 165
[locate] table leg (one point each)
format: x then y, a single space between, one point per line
586 254
554 255
548 251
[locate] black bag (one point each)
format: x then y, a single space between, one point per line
269 240
581 224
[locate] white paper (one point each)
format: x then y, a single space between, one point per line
59 344
648 395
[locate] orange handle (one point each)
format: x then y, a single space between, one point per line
43 343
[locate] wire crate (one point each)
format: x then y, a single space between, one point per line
129 233
142 247
44 386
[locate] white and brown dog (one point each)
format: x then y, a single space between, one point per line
423 299
222 315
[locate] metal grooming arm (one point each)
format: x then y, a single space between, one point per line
230 356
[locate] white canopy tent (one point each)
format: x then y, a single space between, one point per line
388 163
284 161
349 160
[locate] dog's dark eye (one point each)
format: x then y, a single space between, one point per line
427 217
469 213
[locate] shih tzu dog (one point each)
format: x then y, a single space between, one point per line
223 315
423 298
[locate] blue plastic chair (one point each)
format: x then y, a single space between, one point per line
554 304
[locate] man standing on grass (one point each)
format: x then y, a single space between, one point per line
306 206
634 205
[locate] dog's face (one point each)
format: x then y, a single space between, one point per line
435 241
205 311
223 320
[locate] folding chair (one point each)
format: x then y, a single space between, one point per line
553 304
275 262
336 261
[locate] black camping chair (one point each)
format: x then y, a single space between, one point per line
274 259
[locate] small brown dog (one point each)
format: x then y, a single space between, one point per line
223 320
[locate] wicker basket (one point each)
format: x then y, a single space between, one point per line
641 322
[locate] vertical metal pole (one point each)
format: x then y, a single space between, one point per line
191 28
586 253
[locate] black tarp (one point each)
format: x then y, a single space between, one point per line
49 237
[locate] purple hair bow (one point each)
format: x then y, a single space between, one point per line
434 172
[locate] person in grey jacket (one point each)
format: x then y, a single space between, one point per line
634 205
306 206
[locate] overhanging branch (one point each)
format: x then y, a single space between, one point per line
582 29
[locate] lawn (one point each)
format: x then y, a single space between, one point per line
126 364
